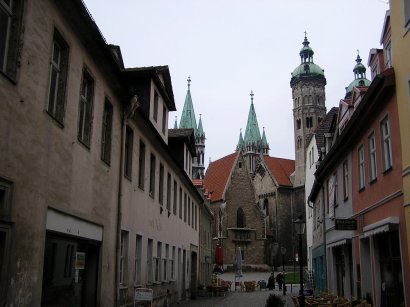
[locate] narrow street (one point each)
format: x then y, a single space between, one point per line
241 298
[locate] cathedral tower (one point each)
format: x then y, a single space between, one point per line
188 120
252 145
308 93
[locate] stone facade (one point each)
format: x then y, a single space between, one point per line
250 236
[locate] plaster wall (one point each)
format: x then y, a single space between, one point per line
47 164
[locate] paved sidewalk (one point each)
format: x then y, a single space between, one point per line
241 298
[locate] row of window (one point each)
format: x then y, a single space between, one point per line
308 122
386 154
308 99
160 267
56 98
188 210
387 163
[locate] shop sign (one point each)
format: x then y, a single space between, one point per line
345 224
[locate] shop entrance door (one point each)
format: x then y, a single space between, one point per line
70 271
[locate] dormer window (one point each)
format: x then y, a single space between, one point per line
155 114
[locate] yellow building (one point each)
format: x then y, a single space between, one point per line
400 47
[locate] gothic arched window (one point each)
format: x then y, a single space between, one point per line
266 206
240 218
298 123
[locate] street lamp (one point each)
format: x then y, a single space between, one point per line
283 252
300 224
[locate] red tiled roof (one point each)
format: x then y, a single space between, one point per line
281 169
217 175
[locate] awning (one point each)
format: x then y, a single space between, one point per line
380 226
338 242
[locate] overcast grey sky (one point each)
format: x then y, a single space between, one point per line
230 47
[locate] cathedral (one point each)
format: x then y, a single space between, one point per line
256 197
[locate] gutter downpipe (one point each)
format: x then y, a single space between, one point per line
127 113
119 215
324 235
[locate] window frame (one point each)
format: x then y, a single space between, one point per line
141 165
152 176
169 192
345 167
361 167
56 107
386 144
137 260
85 109
123 267
161 185
372 156
106 134
155 107
406 14
11 47
128 150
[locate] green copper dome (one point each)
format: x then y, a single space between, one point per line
357 83
307 67
360 76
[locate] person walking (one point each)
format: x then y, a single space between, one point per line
271 281
279 280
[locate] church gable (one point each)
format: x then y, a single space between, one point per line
244 221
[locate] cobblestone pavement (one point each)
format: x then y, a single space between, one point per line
240 298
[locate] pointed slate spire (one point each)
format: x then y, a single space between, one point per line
176 123
264 141
241 143
188 114
252 132
265 145
200 130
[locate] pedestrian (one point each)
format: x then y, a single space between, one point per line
271 281
279 280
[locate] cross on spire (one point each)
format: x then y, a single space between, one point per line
189 82
252 94
305 34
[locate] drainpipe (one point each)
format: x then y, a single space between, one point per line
127 113
324 234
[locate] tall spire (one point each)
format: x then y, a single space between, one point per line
188 114
265 145
240 145
200 130
252 132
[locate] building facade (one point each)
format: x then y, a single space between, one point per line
96 198
395 55
254 202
